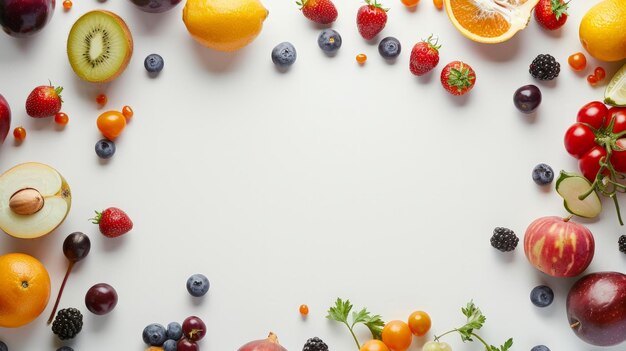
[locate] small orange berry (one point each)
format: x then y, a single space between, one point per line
438 4
61 118
101 99
67 4
304 310
127 111
600 73
19 133
361 58
410 3
592 79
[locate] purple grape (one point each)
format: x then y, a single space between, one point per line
527 98
101 299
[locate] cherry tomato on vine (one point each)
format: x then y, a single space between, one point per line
618 158
594 114
589 164
419 323
577 61
618 114
579 139
397 335
111 124
374 345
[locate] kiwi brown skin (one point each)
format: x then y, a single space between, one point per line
129 53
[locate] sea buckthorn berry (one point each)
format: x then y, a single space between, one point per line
127 111
577 61
438 4
361 58
410 3
592 79
19 133
600 73
304 310
67 4
101 99
61 118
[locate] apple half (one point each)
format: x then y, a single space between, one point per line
34 200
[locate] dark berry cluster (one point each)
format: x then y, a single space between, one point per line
545 67
622 243
67 323
504 239
315 344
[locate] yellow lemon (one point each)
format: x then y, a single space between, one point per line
224 25
603 30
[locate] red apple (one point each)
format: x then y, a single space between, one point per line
5 119
596 308
558 246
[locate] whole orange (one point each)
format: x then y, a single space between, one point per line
24 289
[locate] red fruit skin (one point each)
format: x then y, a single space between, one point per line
44 101
594 113
114 222
558 247
618 158
579 139
596 308
448 71
589 163
319 11
370 21
424 57
269 344
194 328
545 16
5 119
618 116
187 345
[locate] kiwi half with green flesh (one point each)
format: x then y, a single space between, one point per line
99 46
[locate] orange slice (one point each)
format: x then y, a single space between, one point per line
490 21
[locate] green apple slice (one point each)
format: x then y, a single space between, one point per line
571 186
615 93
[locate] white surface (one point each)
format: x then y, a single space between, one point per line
330 180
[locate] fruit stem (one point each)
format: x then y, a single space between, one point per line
575 324
358 346
56 304
566 219
272 338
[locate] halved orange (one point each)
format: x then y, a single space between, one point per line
490 21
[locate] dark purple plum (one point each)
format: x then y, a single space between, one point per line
101 299
22 18
527 98
155 6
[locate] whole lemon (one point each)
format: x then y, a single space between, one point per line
603 30
224 25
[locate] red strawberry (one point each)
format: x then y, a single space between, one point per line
371 19
113 222
424 57
458 78
551 14
44 101
318 11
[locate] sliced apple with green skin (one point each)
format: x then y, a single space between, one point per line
34 200
571 187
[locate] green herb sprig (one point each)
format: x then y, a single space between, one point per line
341 313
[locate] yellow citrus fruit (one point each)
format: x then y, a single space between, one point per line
603 30
224 25
24 289
490 21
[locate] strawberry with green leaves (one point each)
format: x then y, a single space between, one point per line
424 56
113 222
318 11
371 19
551 14
44 101
458 78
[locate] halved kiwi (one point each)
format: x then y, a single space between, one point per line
99 46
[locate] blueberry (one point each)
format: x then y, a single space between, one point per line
154 334
541 296
329 41
105 148
197 285
174 331
153 63
284 54
389 48
543 174
540 348
3 346
169 345
65 348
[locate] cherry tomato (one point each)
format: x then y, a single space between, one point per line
618 158
577 61
304 310
410 3
374 345
61 118
19 133
419 323
592 79
589 164
127 111
397 335
111 124
618 115
600 73
594 114
579 139
438 4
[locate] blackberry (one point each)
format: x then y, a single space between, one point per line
68 323
622 243
545 67
504 239
315 344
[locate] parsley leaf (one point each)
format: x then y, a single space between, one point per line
341 311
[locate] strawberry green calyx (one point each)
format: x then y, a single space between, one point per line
57 91
375 3
559 8
302 3
97 218
433 44
460 78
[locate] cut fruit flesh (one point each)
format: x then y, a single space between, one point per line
490 21
49 184
571 187
615 93
99 46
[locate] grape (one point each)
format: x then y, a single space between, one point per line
194 328
187 345
527 98
101 299
76 246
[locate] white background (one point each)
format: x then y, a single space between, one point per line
330 180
